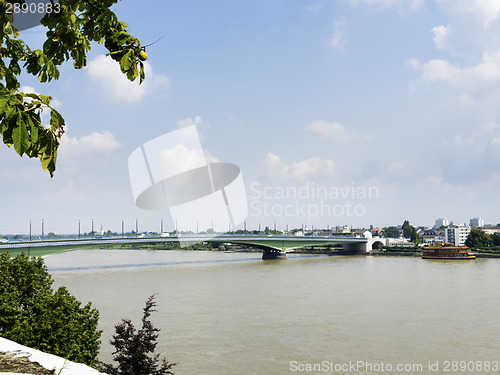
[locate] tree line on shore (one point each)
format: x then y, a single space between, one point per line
479 239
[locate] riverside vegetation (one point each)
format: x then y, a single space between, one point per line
134 349
32 314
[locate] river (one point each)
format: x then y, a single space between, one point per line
232 313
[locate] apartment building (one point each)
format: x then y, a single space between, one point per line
457 234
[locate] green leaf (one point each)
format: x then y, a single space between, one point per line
7 132
3 103
11 80
43 76
20 136
142 75
56 120
31 95
14 67
33 131
127 60
49 154
132 72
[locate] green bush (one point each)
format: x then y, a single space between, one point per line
32 314
134 348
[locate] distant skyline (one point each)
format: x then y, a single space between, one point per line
378 111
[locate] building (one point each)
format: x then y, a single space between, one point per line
441 222
476 222
491 229
429 236
342 230
367 234
400 242
440 235
457 234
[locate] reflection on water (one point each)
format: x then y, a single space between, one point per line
232 313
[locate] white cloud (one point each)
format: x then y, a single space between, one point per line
28 89
461 141
189 122
490 126
472 27
315 6
487 10
485 72
470 156
90 144
440 34
396 167
337 40
299 170
471 36
182 158
197 121
106 73
402 5
210 158
399 171
436 70
495 141
336 131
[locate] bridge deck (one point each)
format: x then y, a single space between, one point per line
281 243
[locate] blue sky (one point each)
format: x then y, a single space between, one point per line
394 97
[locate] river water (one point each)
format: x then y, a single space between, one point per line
232 313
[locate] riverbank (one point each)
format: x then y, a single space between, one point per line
224 247
417 253
19 359
413 253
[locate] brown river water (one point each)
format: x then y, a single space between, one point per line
233 313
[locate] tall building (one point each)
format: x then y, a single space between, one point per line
456 234
476 222
441 222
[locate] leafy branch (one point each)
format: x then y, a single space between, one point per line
70 33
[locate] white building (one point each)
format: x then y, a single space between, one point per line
456 234
399 242
476 222
441 222
491 230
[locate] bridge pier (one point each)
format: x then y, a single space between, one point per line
355 248
273 254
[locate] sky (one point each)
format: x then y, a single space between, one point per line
340 112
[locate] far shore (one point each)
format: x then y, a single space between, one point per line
330 251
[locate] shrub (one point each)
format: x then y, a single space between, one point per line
32 314
134 348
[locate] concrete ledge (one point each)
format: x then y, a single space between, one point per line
60 365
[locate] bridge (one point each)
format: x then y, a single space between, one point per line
273 247
277 246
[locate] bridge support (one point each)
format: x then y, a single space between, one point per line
273 254
355 248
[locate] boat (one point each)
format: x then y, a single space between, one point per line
447 251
